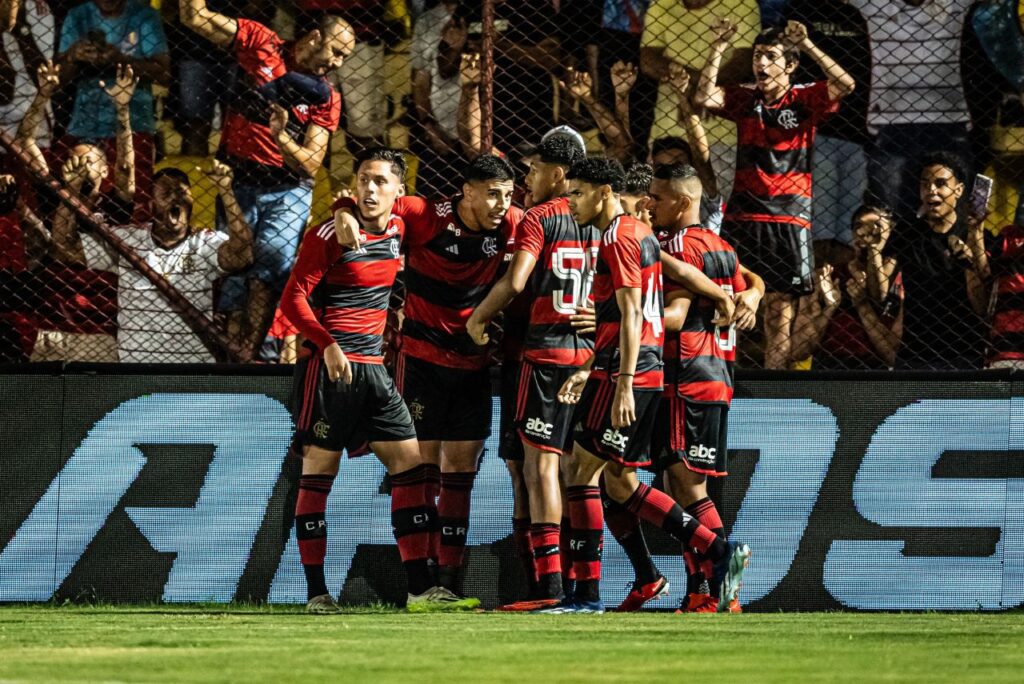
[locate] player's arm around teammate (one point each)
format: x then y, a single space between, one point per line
348 392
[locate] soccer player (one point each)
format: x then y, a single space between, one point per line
698 381
275 135
456 248
768 217
618 391
554 258
691 425
345 397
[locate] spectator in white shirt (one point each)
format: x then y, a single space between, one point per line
917 103
149 328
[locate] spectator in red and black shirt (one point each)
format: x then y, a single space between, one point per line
618 399
277 126
456 250
343 395
768 216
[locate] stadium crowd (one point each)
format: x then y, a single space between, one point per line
888 264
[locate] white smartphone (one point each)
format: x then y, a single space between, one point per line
981 193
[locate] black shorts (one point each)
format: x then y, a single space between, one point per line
510 446
541 420
692 433
446 404
630 446
336 416
781 253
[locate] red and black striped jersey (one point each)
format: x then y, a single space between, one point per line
629 256
449 269
561 281
773 155
1006 258
699 358
350 289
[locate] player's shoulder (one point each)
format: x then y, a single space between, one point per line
626 229
513 216
558 205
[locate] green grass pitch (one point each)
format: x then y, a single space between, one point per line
256 644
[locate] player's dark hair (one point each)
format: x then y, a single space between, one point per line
385 154
947 159
775 35
598 171
669 143
174 174
563 150
488 167
673 172
637 180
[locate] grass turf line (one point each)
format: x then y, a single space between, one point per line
226 643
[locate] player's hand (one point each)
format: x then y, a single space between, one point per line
123 88
725 311
796 34
337 364
477 330
577 83
48 78
623 76
573 387
469 70
584 321
346 229
643 211
723 31
222 176
747 303
623 405
278 121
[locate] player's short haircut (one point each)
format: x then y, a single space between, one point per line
560 149
947 159
775 35
598 171
488 167
637 180
674 172
174 174
385 154
669 143
682 173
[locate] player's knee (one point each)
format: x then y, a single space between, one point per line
317 461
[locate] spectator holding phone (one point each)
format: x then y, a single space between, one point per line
855 318
943 279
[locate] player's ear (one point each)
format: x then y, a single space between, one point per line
313 37
401 190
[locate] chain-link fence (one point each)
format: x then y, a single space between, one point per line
852 194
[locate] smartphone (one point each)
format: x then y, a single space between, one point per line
980 195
